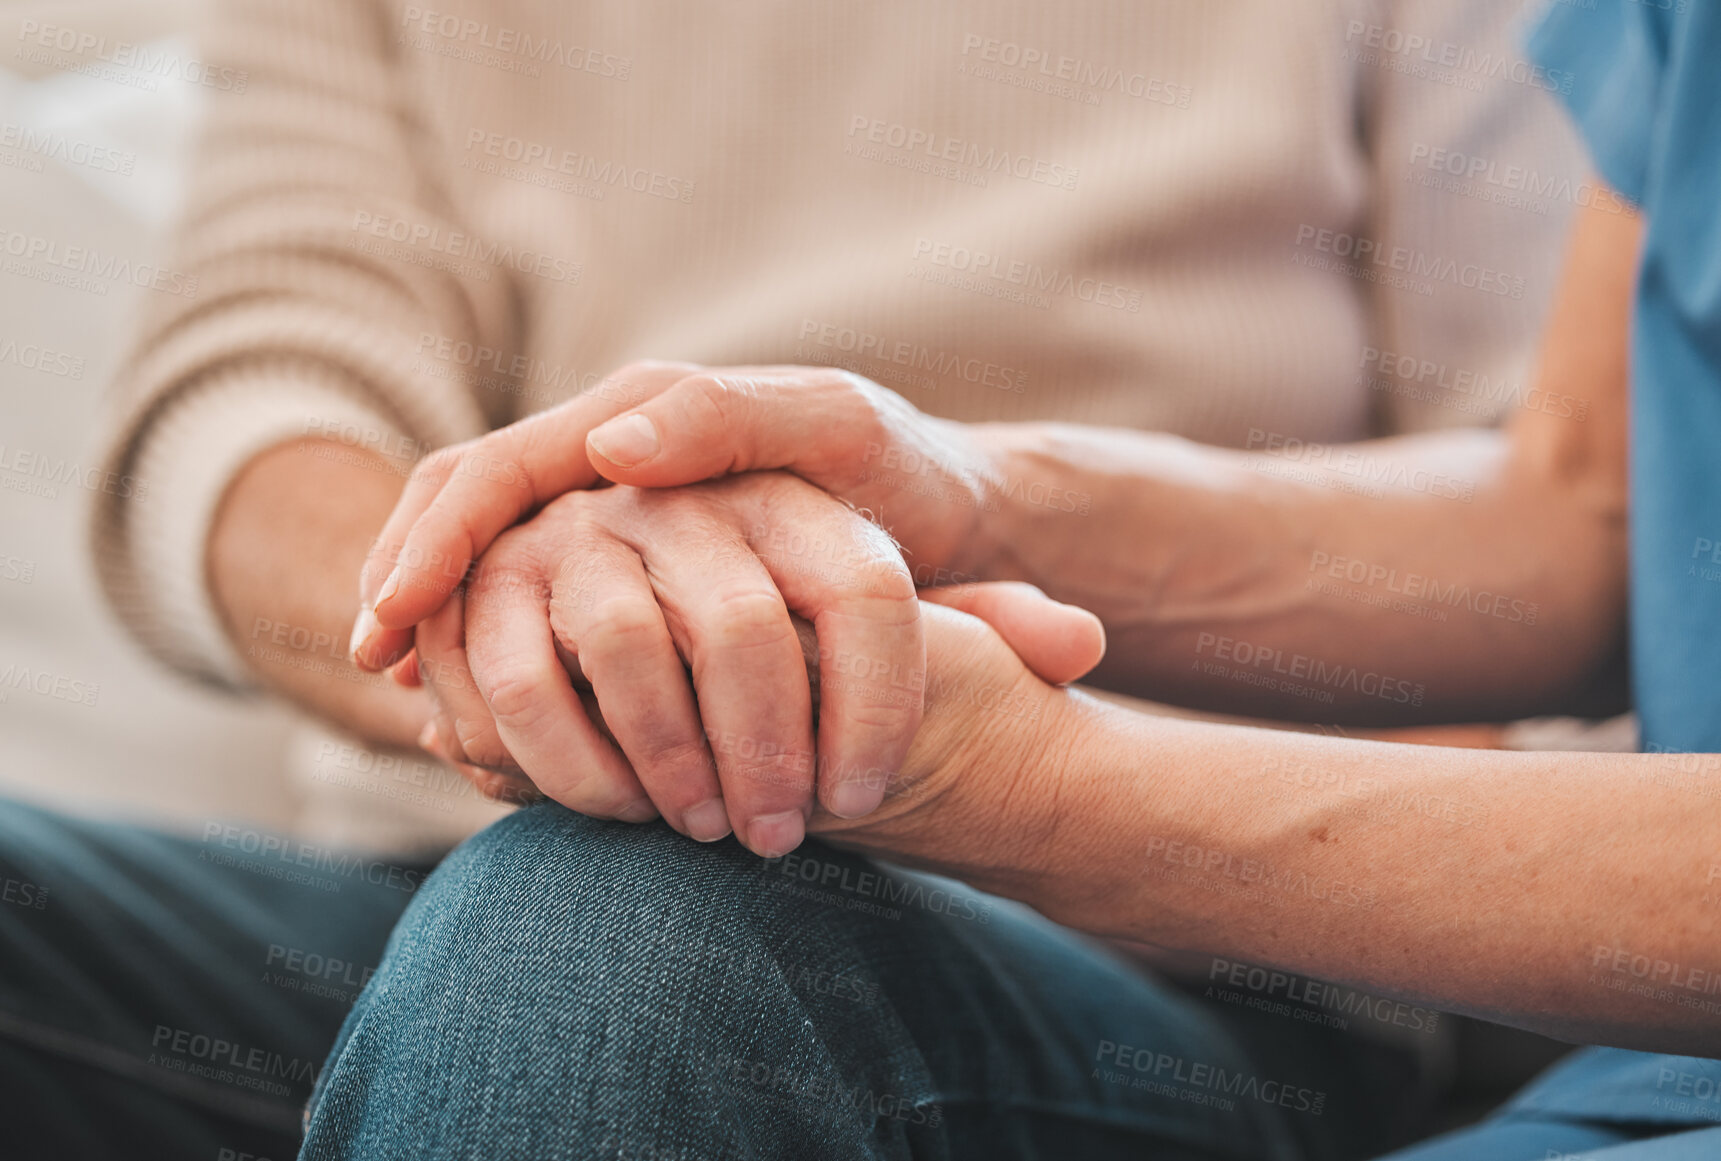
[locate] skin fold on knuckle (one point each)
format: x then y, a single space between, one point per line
478 744
748 618
517 697
713 407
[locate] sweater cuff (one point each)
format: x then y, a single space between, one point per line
190 455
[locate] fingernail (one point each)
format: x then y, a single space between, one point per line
364 628
854 798
775 835
626 441
707 822
389 586
640 811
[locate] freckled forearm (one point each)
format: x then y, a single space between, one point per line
1465 880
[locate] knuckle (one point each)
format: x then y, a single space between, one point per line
783 773
504 582
666 748
516 698
886 579
622 627
437 639
889 716
712 401
477 740
749 616
850 383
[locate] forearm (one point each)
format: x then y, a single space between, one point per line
1509 886
1470 574
284 558
1256 584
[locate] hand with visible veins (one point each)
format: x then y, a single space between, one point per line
924 480
675 607
462 500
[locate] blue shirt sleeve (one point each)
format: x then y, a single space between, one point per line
1610 62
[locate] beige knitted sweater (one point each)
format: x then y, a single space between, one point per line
409 223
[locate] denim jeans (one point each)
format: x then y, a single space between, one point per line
174 997
568 988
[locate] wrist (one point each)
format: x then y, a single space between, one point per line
1064 806
1032 758
283 556
984 551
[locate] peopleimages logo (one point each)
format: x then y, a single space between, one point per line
515 42
266 848
24 470
1377 471
29 249
969 154
66 150
436 239
1164 1067
142 58
1459 58
866 345
1431 380
1081 74
518 159
1367 253
1030 276
1249 658
1424 588
1516 178
228 1054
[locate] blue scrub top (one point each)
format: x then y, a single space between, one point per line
1642 78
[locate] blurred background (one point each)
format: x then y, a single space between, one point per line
88 723
151 747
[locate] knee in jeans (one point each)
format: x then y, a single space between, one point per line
576 881
595 908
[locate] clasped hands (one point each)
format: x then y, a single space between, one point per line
691 593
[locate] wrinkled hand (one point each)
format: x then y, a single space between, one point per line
645 748
923 479
622 585
969 797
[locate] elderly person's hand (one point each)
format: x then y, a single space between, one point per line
624 585
728 561
924 480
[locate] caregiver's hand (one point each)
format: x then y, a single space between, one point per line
978 793
620 585
923 479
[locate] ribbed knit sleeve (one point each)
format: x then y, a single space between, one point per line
308 307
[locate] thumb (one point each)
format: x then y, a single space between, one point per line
717 423
1058 642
